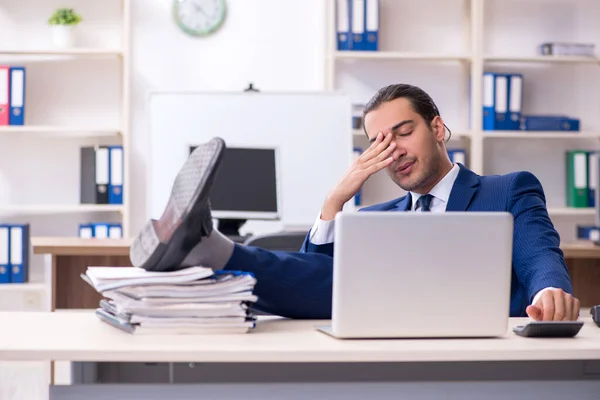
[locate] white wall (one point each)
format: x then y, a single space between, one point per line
277 45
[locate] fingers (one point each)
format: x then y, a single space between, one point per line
547 306
387 153
378 139
381 143
566 307
559 305
376 167
555 305
575 308
568 304
534 312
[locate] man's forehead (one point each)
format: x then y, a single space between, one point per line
388 114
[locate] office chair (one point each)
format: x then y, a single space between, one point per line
284 240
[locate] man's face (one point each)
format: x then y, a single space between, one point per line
416 158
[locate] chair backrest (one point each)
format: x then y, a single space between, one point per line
284 240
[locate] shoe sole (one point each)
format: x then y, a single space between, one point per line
164 243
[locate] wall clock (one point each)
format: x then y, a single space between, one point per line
199 18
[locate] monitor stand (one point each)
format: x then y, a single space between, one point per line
231 227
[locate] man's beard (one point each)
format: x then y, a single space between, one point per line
426 171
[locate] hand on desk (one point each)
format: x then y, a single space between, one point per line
554 305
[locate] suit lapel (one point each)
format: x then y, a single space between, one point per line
463 190
404 203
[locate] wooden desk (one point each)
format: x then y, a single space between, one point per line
509 366
71 257
583 263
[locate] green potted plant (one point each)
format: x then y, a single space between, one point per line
63 22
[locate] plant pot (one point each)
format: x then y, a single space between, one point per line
63 36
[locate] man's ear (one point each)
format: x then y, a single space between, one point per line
439 129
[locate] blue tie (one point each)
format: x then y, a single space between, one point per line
424 201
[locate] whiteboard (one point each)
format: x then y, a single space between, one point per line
311 131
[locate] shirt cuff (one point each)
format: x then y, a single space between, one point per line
539 294
322 232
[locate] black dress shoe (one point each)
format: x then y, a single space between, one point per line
163 244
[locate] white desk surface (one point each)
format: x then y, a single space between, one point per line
81 336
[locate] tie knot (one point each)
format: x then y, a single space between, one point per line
424 202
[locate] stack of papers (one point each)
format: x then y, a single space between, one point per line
193 300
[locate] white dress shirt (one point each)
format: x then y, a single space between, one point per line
322 231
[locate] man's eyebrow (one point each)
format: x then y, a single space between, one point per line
399 124
393 128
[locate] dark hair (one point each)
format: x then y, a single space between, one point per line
421 102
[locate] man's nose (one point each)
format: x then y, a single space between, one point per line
400 151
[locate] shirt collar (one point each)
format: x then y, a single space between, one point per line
442 190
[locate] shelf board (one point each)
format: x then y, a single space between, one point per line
461 135
76 131
59 209
396 55
542 59
566 211
540 135
73 52
21 287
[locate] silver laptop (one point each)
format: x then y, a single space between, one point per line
421 275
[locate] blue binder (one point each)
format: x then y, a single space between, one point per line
501 95
488 92
358 25
115 231
592 177
115 184
343 18
550 123
371 42
17 96
495 102
86 231
100 230
515 103
458 156
358 197
19 253
4 254
588 233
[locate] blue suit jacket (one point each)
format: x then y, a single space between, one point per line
538 261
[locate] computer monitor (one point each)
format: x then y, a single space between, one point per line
246 187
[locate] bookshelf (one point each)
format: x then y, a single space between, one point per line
543 59
60 131
540 135
445 46
86 103
34 209
74 97
70 53
397 55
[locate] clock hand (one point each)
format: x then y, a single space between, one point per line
198 8
202 11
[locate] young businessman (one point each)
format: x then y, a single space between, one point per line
407 138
